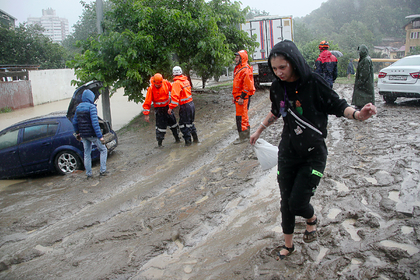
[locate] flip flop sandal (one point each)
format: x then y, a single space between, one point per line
309 237
282 257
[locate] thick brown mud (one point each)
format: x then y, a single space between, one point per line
209 211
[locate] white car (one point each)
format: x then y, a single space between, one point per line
400 79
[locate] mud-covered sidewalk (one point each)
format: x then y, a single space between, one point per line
208 211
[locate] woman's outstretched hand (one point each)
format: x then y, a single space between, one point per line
367 111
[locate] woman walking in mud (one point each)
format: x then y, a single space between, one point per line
304 100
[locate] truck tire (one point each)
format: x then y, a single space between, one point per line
256 81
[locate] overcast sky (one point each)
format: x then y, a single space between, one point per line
72 9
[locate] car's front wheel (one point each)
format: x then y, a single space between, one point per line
389 99
67 162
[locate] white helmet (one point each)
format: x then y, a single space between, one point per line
177 71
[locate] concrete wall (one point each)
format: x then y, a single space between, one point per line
51 85
15 95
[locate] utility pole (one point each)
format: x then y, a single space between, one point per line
106 106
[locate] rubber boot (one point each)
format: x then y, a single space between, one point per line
160 143
176 136
243 137
248 133
188 142
195 137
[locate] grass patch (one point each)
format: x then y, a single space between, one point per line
6 110
222 85
344 80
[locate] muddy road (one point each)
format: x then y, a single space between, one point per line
208 211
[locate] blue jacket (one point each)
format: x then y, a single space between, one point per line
85 121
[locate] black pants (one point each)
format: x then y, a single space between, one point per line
298 179
163 120
186 119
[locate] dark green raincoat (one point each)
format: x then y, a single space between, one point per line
363 92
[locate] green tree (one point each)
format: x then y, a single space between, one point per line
256 13
353 34
84 28
25 45
414 51
310 50
341 20
302 34
143 37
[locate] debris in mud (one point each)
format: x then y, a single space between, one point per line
211 212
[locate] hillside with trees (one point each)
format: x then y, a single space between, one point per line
348 24
144 37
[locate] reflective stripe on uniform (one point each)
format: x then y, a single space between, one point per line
162 103
317 173
160 130
185 125
185 99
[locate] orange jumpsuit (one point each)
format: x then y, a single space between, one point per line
160 98
243 86
181 95
181 91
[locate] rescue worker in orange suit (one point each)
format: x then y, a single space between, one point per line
181 95
158 93
326 64
243 89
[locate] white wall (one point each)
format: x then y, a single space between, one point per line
51 85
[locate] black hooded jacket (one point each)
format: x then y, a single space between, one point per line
315 96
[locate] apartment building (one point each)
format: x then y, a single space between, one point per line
55 27
412 29
6 20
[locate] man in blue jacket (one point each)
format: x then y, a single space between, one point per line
86 126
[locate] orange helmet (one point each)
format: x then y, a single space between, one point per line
324 45
157 79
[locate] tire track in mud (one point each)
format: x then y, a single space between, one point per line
127 198
363 232
208 211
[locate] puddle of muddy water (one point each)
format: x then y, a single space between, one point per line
333 213
7 183
406 230
394 196
349 227
373 181
322 253
410 249
341 187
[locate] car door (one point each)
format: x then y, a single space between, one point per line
36 147
10 165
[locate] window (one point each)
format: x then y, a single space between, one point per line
39 131
414 35
9 139
416 24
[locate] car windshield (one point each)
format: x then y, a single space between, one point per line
415 61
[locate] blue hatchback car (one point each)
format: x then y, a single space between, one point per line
47 143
